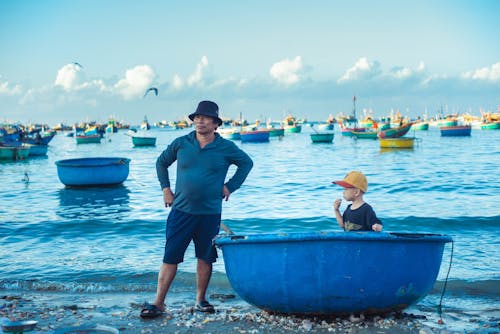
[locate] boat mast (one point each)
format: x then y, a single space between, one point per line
354 109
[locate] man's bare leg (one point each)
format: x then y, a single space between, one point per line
203 274
165 278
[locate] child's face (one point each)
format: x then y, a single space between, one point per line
350 194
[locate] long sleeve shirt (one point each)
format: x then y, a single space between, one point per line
201 172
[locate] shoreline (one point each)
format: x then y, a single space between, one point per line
57 310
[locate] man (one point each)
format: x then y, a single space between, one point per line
203 159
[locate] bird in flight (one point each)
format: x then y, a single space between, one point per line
154 89
78 64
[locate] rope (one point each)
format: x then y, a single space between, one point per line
440 306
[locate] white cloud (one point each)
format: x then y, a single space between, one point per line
177 82
8 89
287 71
137 80
197 76
491 73
69 77
406 72
362 69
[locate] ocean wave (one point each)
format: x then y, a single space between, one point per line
145 228
187 282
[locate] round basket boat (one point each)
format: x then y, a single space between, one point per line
89 172
322 137
332 273
402 142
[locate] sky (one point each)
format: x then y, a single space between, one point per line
90 60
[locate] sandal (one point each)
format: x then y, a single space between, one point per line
150 311
205 306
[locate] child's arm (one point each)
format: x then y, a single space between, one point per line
338 215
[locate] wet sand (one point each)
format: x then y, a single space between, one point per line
56 310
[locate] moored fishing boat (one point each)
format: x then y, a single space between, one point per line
322 137
337 272
257 136
138 140
347 131
88 139
447 122
364 134
276 132
291 125
420 126
325 126
293 128
490 126
38 150
455 131
402 142
395 132
230 133
14 152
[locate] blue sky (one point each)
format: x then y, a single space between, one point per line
260 58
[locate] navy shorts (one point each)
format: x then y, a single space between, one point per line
182 228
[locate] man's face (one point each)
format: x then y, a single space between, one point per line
205 124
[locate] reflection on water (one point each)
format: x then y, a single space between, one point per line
94 203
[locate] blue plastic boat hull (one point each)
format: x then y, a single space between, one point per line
85 172
332 273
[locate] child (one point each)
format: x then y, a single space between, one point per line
359 215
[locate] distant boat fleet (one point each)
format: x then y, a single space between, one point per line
19 142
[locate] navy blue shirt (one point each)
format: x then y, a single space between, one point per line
360 219
201 172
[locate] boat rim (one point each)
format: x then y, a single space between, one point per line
103 161
325 236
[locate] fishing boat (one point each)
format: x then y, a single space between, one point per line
325 126
347 131
38 150
454 131
276 132
322 137
143 140
256 136
230 133
364 134
400 131
420 126
403 142
85 172
328 273
446 122
14 152
88 139
490 126
145 124
291 125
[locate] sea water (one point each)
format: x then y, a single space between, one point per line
111 239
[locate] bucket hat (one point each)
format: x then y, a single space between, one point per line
207 108
354 179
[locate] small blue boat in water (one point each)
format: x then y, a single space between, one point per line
331 273
454 131
85 172
257 136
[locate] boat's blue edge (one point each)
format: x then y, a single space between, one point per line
103 161
340 236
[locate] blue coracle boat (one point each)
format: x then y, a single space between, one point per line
331 273
84 172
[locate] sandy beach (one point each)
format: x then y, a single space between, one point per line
56 310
